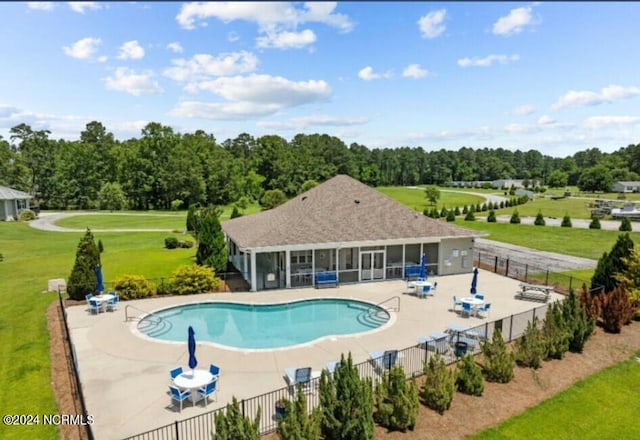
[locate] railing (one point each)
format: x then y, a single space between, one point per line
412 359
149 315
395 309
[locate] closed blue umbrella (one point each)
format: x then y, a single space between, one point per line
423 267
474 281
100 282
193 362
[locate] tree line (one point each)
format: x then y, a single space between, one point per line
162 169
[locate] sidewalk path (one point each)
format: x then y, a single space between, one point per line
46 222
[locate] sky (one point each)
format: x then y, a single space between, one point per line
557 77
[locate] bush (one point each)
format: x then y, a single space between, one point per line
515 218
235 213
396 403
1 257
185 244
555 332
469 377
498 364
539 221
456 211
296 423
190 280
231 425
347 403
171 242
530 349
100 246
451 216
133 287
625 225
470 217
595 224
616 309
566 221
443 212
492 216
176 204
439 384
580 325
27 215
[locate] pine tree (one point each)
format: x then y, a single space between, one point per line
296 423
539 221
595 223
498 364
235 213
555 332
566 221
625 225
491 218
396 402
616 309
530 349
83 279
191 218
470 216
612 263
439 384
469 377
212 248
347 403
515 217
580 325
451 217
231 425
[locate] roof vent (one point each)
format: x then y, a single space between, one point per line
357 201
304 197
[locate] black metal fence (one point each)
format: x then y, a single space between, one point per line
412 359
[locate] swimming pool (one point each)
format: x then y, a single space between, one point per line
263 326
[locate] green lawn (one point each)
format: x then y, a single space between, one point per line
602 406
174 221
416 200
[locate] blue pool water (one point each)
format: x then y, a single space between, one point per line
260 326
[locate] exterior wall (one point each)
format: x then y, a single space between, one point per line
456 256
3 210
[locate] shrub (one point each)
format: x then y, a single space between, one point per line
616 309
185 244
530 349
176 204
235 213
539 221
515 218
625 225
443 212
498 364
555 332
469 377
27 215
451 216
347 403
82 279
595 224
470 217
492 216
396 403
171 242
1 257
580 325
457 210
189 280
133 287
566 221
100 246
465 209
296 423
272 198
613 263
439 384
231 425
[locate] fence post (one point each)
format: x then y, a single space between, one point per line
526 273
177 430
511 329
547 280
570 282
506 270
243 412
533 318
495 265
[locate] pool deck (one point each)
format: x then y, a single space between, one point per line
125 377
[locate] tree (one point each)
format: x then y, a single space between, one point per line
530 349
470 216
439 385
625 225
307 185
112 197
451 216
235 213
595 223
469 377
539 221
616 309
432 193
579 324
82 279
498 363
491 218
557 179
596 178
272 198
555 332
396 402
630 277
566 221
515 217
296 423
212 247
612 263
231 425
347 403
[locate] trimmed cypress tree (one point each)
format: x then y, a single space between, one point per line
396 402
451 216
616 309
212 248
515 218
231 425
443 212
625 225
539 221
470 216
491 218
580 325
612 263
82 279
346 401
457 211
191 218
530 349
498 364
595 223
235 213
566 221
555 332
469 377
296 423
439 384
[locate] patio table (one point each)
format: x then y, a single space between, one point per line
193 380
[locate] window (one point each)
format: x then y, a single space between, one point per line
301 257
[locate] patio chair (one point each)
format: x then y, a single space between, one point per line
94 306
384 359
479 296
425 291
332 365
111 305
467 309
215 371
175 373
300 376
456 302
208 390
484 309
179 395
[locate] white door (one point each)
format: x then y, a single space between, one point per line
371 265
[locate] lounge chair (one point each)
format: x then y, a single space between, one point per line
179 395
300 376
438 340
384 359
208 390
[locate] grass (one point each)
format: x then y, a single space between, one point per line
416 200
602 406
575 208
174 221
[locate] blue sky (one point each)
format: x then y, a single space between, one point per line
556 77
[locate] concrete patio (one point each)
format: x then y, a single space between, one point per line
125 377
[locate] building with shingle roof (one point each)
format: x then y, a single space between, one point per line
12 202
346 227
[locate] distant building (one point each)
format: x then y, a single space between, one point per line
626 187
523 192
12 202
516 183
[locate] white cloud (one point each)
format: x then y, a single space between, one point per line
41 6
103 59
599 122
524 110
83 49
414 71
314 120
286 39
202 66
80 7
431 24
513 23
175 47
222 110
127 80
487 61
232 37
583 98
131 50
368 74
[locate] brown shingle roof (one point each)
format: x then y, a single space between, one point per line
341 209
